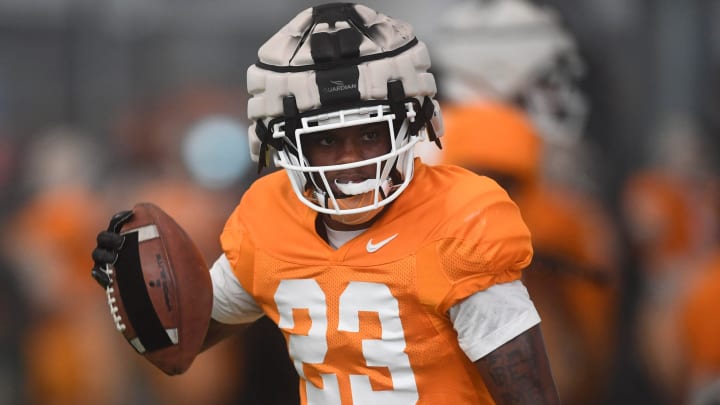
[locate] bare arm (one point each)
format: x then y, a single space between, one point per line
518 372
218 331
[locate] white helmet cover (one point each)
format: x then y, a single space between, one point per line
517 51
340 65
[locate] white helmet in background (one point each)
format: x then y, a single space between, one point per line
335 66
515 51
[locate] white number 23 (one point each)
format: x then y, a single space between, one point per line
312 348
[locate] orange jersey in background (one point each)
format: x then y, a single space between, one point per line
367 323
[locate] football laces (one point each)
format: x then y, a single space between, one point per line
112 301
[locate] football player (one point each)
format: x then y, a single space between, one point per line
392 281
510 74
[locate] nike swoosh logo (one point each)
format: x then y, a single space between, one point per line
374 247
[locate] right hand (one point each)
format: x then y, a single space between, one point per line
109 242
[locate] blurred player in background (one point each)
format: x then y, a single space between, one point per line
670 206
46 240
509 76
65 198
392 281
699 329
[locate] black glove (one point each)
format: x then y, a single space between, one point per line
108 244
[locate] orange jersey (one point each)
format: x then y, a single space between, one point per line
367 323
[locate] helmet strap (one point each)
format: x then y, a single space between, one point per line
423 117
290 113
396 97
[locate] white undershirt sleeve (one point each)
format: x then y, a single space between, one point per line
488 319
232 304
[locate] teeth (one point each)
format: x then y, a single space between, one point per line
352 188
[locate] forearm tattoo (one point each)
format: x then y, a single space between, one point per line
518 371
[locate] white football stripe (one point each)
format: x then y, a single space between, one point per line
146 232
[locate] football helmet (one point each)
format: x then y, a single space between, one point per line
335 66
518 52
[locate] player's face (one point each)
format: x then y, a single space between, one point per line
347 145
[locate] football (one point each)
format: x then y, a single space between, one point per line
161 293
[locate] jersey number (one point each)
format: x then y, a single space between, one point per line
312 348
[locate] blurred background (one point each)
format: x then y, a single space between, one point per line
600 117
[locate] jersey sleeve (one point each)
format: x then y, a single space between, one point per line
232 276
483 242
231 302
488 319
